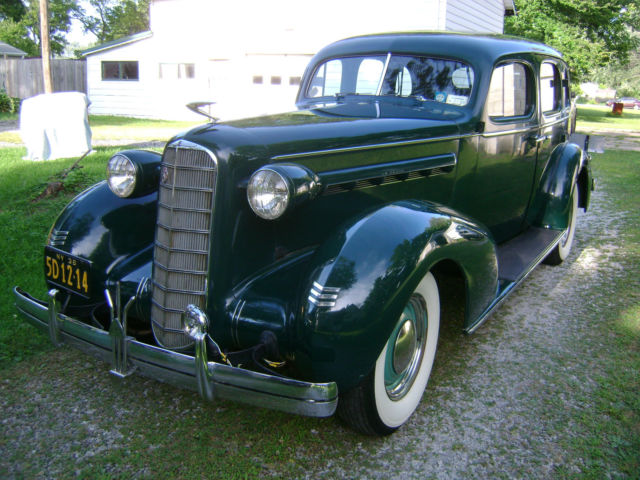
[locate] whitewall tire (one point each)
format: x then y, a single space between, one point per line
388 397
563 248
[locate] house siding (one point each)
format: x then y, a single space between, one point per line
231 43
475 16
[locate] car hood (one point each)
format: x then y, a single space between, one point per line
326 127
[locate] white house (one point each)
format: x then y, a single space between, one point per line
248 55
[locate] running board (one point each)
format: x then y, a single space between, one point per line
516 260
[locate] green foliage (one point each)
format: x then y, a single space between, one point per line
624 78
12 9
16 34
8 104
23 29
589 33
116 18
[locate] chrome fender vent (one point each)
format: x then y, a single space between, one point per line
323 296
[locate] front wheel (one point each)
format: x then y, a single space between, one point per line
385 400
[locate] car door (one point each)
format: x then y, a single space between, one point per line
506 162
555 109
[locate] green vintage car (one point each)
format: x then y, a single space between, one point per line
293 261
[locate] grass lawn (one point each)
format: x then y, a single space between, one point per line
190 440
105 127
597 117
25 224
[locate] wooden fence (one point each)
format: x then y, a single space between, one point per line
22 78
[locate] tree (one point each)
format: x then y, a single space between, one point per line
24 32
12 10
16 34
625 79
116 18
589 33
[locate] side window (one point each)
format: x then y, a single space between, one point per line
326 81
550 88
369 74
510 92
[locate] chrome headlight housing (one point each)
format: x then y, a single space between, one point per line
268 194
276 189
121 175
133 173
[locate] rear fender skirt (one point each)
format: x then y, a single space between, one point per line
364 274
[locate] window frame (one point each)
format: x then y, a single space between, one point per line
386 58
559 90
121 70
532 87
182 70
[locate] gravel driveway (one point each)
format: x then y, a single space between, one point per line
500 404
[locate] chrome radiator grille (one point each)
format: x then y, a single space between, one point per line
181 252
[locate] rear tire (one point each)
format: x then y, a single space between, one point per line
563 248
386 398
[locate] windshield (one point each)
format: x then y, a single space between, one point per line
422 78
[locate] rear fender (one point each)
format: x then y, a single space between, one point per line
551 203
366 272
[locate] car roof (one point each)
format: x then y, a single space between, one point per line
469 47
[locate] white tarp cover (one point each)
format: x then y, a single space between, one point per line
55 125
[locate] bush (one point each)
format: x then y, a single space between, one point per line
8 104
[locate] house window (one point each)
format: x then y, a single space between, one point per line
257 79
511 93
276 80
294 80
177 71
120 71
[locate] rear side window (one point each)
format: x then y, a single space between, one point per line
550 88
511 93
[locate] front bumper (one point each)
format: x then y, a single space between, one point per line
213 380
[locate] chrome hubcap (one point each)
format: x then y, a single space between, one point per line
405 348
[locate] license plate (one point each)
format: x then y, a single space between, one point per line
67 271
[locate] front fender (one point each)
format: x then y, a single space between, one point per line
365 274
551 203
114 234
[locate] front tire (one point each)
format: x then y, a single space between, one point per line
386 399
563 248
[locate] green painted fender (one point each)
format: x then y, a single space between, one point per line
551 202
366 272
115 234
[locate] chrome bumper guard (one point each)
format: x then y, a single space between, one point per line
212 380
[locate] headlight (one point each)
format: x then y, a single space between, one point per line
277 188
121 175
133 173
268 194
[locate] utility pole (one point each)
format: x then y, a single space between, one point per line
45 46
